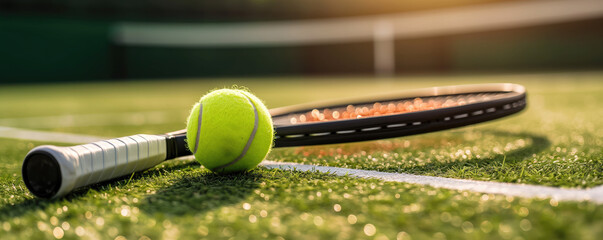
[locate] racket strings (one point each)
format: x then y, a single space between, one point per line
460 116
390 107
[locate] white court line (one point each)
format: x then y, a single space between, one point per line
509 189
88 120
44 136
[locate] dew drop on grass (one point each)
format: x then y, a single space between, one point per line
112 231
509 198
525 225
456 221
403 236
337 207
66 226
203 230
125 212
100 221
467 227
42 226
352 219
381 237
275 221
504 230
6 226
304 216
369 229
553 202
439 235
80 231
227 231
54 220
58 233
523 211
318 221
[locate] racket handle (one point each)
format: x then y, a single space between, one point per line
51 171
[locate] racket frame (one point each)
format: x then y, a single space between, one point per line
64 169
398 125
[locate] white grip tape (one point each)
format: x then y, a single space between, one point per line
83 165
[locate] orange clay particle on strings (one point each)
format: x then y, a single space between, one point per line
345 115
383 109
379 109
315 114
350 109
328 114
377 106
400 107
365 111
391 108
417 101
335 114
461 101
321 117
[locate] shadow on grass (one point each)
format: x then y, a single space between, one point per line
202 192
539 144
35 204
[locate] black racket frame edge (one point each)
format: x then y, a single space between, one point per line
344 131
373 128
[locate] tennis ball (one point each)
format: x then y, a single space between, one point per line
229 130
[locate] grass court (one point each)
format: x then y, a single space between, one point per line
557 141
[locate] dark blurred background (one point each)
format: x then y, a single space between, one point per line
73 40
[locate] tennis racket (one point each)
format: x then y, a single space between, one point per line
52 171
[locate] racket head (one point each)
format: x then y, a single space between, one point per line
471 104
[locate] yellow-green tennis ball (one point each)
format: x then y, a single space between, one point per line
229 130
